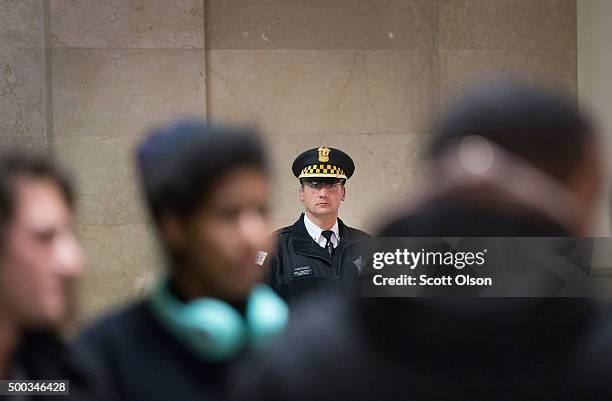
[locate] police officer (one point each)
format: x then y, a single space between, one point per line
319 251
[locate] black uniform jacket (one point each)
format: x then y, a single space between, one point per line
300 265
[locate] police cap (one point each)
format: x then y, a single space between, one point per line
323 162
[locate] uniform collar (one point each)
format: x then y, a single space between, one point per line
303 244
315 232
346 233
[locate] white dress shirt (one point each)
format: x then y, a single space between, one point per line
315 233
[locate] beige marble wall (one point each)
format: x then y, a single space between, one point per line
368 76
87 78
118 68
23 106
357 75
533 39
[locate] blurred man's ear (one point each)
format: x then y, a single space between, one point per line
172 231
301 192
343 195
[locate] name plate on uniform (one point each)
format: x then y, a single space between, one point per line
302 271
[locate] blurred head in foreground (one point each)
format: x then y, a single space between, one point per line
40 257
507 160
207 189
527 144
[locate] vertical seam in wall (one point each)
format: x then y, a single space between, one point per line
47 68
205 55
576 48
436 61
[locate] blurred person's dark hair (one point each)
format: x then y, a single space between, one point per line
541 126
15 164
181 164
509 158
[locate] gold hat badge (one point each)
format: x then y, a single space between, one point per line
323 154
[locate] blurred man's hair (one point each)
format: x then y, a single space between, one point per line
180 165
16 164
541 127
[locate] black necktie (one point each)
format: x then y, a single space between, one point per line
330 247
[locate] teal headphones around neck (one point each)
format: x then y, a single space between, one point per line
214 329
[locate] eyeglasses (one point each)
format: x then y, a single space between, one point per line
317 186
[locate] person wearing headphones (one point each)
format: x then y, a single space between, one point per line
208 192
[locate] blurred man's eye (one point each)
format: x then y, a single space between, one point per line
263 210
229 213
45 236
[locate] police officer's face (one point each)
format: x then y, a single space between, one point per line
224 237
322 200
40 257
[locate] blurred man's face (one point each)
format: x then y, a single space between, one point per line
221 241
322 198
40 257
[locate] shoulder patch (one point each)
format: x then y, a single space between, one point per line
261 258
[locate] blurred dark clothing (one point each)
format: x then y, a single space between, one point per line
145 362
44 356
442 348
300 266
401 349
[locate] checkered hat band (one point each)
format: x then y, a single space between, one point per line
322 169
